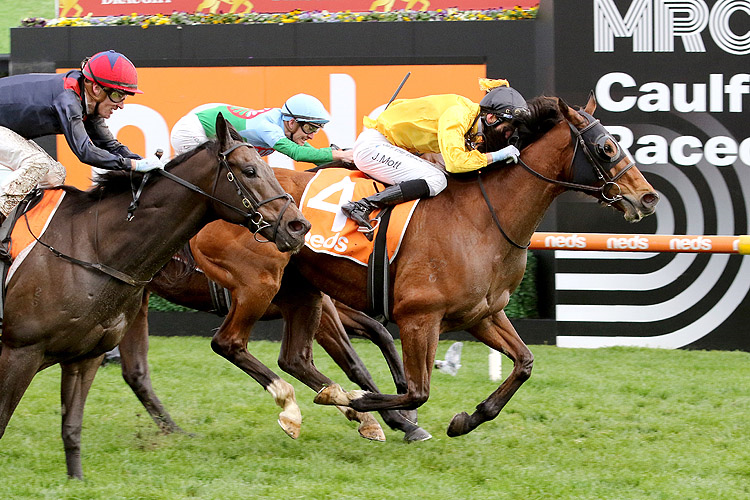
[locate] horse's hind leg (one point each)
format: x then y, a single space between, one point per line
301 306
135 370
358 323
419 339
17 368
498 333
332 338
76 381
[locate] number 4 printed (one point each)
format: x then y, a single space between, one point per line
346 187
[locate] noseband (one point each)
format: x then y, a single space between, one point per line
590 166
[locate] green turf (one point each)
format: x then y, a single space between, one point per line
615 424
12 12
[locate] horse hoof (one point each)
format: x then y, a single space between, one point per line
417 434
290 427
332 395
372 431
459 425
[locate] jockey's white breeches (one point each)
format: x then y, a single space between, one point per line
187 134
31 166
383 161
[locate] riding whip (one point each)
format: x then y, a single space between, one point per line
397 90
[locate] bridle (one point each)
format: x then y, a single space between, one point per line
252 218
590 150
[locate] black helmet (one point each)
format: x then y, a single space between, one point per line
507 103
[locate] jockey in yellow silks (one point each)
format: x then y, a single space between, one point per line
408 143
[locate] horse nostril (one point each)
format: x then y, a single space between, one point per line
650 200
298 226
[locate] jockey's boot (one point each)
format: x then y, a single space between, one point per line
359 211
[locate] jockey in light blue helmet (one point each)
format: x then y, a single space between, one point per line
305 108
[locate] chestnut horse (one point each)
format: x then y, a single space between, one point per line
76 292
180 282
437 283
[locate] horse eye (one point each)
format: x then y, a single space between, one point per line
606 148
249 171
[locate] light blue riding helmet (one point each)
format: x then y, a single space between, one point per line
305 108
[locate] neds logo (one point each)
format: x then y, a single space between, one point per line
633 243
572 241
654 24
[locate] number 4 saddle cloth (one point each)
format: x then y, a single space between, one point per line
332 232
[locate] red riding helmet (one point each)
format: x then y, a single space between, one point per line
112 69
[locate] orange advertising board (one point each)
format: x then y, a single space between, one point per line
348 92
101 8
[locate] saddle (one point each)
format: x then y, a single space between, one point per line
6 229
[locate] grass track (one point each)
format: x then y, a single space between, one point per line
590 424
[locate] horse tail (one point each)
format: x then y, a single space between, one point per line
180 267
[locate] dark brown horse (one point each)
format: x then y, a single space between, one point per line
457 266
58 311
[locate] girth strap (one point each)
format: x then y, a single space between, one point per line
221 299
378 271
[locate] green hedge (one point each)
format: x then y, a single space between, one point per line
523 303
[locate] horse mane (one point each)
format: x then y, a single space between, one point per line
545 114
113 182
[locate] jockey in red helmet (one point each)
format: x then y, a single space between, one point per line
74 104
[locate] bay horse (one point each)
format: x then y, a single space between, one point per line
76 292
462 256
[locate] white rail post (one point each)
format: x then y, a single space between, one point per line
496 362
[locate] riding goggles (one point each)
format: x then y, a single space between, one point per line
309 128
513 115
115 95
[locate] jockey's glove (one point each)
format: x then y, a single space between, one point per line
147 164
509 153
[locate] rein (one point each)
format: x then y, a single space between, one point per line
586 150
119 275
253 216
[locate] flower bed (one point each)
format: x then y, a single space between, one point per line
296 16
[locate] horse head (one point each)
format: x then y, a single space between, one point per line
268 210
602 168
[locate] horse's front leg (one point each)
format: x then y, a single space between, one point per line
338 320
135 370
76 381
230 342
497 332
419 339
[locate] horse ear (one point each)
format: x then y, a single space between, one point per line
591 105
570 114
563 106
222 134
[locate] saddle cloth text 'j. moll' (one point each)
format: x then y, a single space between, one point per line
333 232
